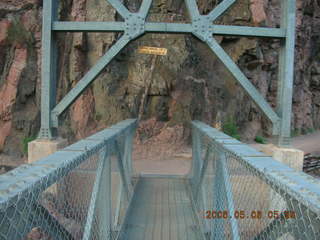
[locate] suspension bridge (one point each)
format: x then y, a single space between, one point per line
90 190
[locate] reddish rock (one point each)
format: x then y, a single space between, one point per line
158 141
81 115
5 128
4 26
78 10
257 10
79 14
30 21
8 93
16 5
181 104
83 109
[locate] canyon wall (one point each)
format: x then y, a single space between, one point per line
189 83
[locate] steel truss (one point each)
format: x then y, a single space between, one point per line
201 26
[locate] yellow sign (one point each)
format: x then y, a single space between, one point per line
153 50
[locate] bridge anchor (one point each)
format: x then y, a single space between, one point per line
41 148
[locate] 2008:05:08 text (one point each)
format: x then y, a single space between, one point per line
256 214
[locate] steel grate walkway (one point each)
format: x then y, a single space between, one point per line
161 209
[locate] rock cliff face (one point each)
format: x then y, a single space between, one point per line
189 83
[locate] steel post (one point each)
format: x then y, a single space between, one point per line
104 201
217 226
49 67
286 72
196 158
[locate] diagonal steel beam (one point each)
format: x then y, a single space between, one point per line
220 9
145 7
244 82
192 8
88 78
121 9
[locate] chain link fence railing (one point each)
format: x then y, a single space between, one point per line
80 192
241 193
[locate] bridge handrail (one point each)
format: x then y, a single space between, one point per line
43 173
298 184
35 178
284 181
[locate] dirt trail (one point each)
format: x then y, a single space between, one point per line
180 165
308 143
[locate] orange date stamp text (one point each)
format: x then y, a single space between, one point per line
253 214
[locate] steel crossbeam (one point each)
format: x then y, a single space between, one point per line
175 28
201 26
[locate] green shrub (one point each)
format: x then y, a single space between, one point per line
260 139
295 133
305 131
98 117
17 33
310 130
230 128
25 142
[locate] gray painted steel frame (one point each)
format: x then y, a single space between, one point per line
48 70
202 27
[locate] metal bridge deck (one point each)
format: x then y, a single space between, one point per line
161 209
